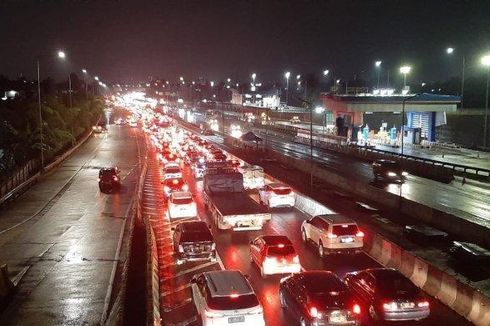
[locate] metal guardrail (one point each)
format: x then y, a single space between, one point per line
453 166
19 177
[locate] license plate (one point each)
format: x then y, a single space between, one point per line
346 240
239 319
407 305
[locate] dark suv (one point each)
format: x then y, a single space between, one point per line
109 179
193 241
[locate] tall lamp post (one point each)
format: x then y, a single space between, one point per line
84 71
405 70
485 60
377 64
60 55
287 75
450 51
325 74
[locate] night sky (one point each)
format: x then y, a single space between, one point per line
122 40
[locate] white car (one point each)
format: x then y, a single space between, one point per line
172 170
181 204
333 233
277 195
198 169
226 298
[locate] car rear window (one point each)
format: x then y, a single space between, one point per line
396 285
107 173
172 170
323 284
282 191
182 201
280 251
345 229
243 301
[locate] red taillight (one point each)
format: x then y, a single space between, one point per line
115 178
360 234
175 181
331 235
313 312
356 309
423 304
281 245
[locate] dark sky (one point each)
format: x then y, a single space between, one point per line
219 39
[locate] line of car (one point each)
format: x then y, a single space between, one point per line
311 297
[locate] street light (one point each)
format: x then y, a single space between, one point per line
378 69
405 70
298 77
253 78
61 55
287 75
450 51
85 82
84 71
228 80
212 83
96 78
325 72
485 61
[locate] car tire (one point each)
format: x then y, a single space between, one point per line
304 236
373 315
321 250
302 322
262 273
282 301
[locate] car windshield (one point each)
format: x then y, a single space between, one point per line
392 285
282 191
182 201
107 172
232 303
280 250
345 229
323 284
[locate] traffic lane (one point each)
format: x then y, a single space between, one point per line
71 248
35 198
466 202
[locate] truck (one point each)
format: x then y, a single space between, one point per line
228 203
253 176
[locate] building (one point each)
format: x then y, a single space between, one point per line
379 117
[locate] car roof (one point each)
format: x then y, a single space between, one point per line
194 225
181 194
278 185
272 240
336 219
384 273
224 283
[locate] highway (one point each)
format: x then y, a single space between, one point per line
468 201
66 235
233 250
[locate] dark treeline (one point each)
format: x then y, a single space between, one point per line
19 119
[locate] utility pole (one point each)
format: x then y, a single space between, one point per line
40 113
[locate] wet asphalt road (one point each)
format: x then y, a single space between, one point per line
65 232
233 249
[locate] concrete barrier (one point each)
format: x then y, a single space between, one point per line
462 298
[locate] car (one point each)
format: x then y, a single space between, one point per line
109 179
100 127
295 120
274 254
193 241
277 195
172 185
387 295
319 298
225 297
388 170
181 204
169 157
332 233
198 169
172 170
